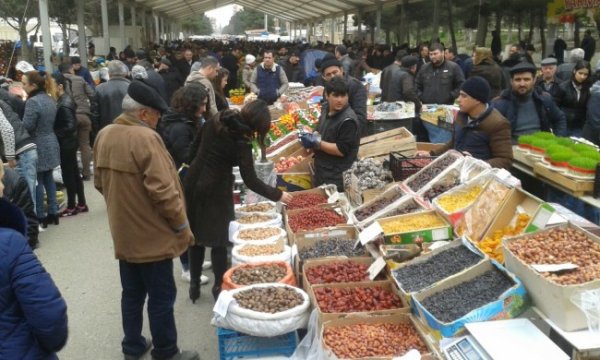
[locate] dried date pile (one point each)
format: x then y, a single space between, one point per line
337 272
373 340
440 188
428 173
269 299
365 211
314 218
559 246
259 274
455 302
355 299
301 201
332 247
419 275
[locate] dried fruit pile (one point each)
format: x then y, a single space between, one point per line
332 247
314 218
451 203
260 274
253 219
259 233
370 174
373 340
492 245
368 210
419 275
441 186
337 272
428 173
355 299
260 250
284 164
301 201
558 246
407 207
258 207
455 302
269 299
413 223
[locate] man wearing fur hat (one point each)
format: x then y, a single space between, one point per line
147 219
479 129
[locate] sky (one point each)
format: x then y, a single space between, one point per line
222 14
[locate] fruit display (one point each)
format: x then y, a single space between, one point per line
260 250
442 185
254 219
255 234
412 223
560 245
236 96
258 207
455 302
373 340
284 164
305 200
492 246
418 275
459 200
269 299
387 198
355 299
314 218
281 143
337 272
428 173
406 207
330 247
260 274
370 175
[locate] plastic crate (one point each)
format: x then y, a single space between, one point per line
234 345
402 167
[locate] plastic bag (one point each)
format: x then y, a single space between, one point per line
310 347
258 323
235 239
237 259
289 278
588 301
235 226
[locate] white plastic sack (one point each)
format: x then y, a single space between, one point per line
258 323
239 213
270 240
235 226
237 259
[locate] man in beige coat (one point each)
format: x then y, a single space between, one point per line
208 71
147 218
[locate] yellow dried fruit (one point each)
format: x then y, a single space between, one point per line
492 245
412 223
459 200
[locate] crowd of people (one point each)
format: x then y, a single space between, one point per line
157 135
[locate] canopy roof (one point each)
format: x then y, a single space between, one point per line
289 10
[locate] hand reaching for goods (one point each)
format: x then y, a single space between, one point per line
286 197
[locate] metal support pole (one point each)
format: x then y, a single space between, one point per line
332 30
145 30
81 43
122 24
105 33
47 38
378 24
156 30
266 22
345 25
136 33
359 22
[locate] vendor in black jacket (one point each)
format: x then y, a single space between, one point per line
337 137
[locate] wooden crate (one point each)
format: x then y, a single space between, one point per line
576 187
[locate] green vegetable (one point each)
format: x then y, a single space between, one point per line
558 148
525 139
590 155
583 163
562 156
544 135
578 147
542 143
564 141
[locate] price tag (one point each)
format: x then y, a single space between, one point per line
376 268
541 219
334 198
554 267
222 305
370 233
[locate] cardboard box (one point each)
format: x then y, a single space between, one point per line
394 193
390 209
434 352
285 150
443 232
367 260
459 157
425 257
334 316
551 298
299 176
509 305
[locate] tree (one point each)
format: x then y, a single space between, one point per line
64 13
17 13
247 19
198 26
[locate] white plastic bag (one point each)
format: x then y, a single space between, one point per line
237 259
258 323
310 347
234 226
281 236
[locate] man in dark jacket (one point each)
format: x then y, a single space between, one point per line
109 95
230 62
82 71
341 53
527 109
479 129
439 81
591 129
337 137
588 44
34 314
17 192
293 70
171 77
399 82
357 93
547 81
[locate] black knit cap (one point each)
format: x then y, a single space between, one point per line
328 61
146 95
477 88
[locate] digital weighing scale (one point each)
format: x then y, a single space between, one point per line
503 340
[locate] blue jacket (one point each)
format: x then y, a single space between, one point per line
33 314
551 117
86 75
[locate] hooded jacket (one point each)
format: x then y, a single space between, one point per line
177 131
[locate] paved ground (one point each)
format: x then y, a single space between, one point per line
79 255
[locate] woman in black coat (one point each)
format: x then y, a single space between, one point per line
224 142
65 128
572 97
